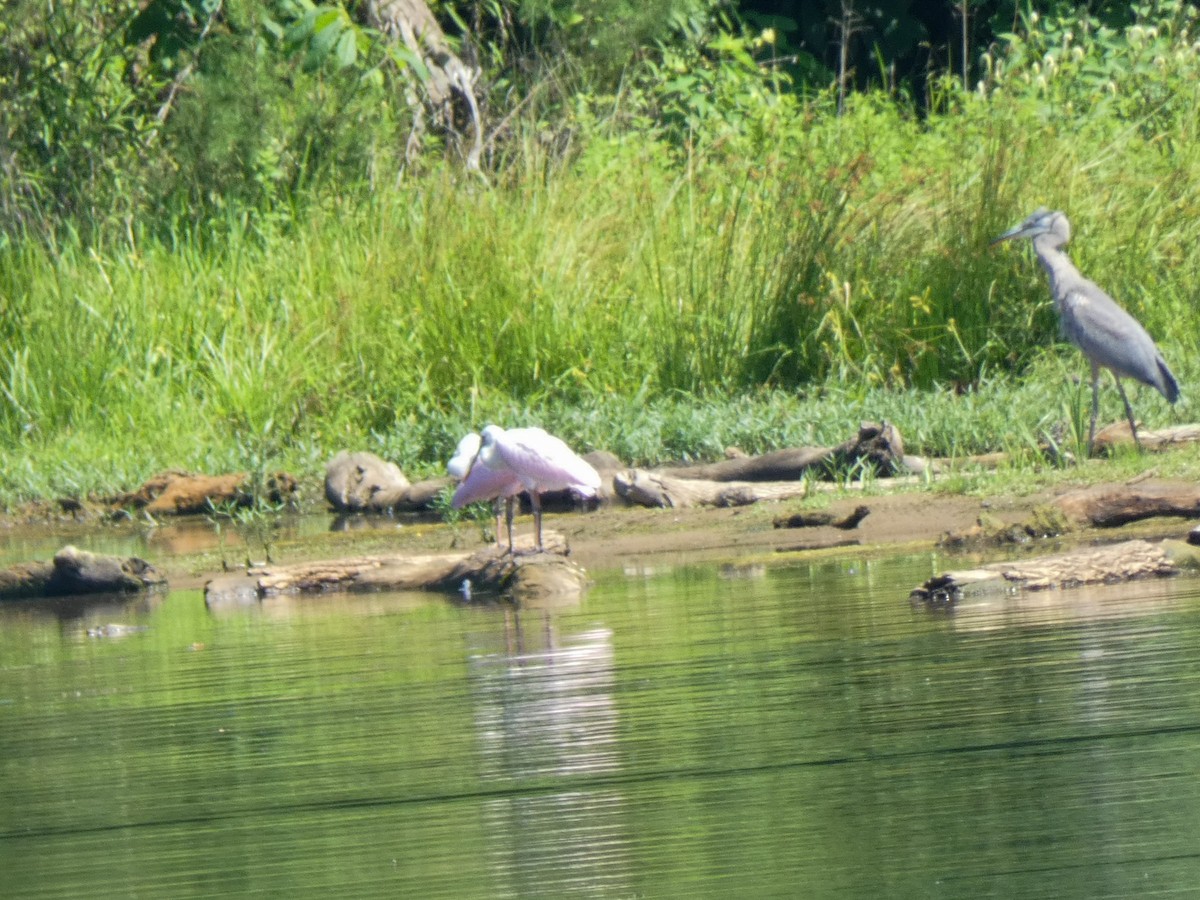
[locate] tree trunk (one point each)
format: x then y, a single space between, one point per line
413 23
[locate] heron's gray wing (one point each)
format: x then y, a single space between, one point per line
1109 336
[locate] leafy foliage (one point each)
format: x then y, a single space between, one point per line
209 212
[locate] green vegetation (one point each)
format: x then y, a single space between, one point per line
691 252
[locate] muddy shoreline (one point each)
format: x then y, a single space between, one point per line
191 550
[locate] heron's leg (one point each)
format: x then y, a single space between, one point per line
535 500
1095 406
1128 411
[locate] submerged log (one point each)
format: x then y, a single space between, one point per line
819 519
73 572
488 572
1091 565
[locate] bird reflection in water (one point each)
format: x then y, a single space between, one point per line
546 723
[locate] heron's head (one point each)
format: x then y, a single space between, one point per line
1041 221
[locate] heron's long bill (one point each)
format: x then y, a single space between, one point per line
1014 232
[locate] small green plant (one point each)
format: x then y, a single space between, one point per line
255 524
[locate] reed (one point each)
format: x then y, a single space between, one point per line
658 302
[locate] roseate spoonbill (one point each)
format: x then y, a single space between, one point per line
540 461
1109 337
478 481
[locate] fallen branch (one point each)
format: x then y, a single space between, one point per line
1111 505
1160 439
1091 565
820 519
179 493
879 445
658 489
521 576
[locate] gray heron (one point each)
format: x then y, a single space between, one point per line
1109 337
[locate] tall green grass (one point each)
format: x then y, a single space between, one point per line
657 301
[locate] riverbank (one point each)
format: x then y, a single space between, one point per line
942 516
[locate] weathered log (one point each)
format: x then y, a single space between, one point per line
1090 565
175 492
779 465
819 519
1118 433
660 490
73 572
488 572
881 445
1110 505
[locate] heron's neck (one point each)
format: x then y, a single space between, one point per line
1056 263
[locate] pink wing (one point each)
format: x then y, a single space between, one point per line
546 463
483 483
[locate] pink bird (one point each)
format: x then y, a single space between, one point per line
479 482
540 461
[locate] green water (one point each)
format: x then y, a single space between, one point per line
794 731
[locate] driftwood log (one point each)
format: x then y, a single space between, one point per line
878 444
1160 439
1111 505
73 572
780 475
1109 437
522 576
175 492
819 519
658 489
1098 506
1090 565
363 482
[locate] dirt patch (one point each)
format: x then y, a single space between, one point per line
618 536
